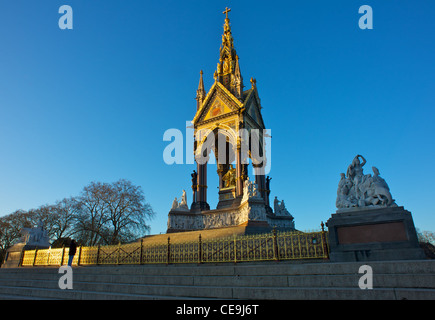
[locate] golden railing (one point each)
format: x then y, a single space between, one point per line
259 247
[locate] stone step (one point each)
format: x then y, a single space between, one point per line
20 297
334 293
125 288
269 280
262 293
326 280
27 293
252 269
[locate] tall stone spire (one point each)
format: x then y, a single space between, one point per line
200 93
228 69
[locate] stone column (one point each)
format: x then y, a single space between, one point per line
267 191
220 172
239 169
204 182
260 179
202 187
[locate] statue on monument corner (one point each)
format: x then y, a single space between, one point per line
250 190
194 176
276 205
183 203
369 220
174 204
31 238
360 190
345 198
36 236
379 191
279 208
355 172
356 167
268 183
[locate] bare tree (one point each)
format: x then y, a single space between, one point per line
111 213
10 227
103 213
46 214
426 236
65 212
92 214
127 211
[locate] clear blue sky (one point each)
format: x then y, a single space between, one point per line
92 103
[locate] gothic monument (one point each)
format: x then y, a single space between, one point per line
228 121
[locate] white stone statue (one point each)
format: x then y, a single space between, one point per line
183 202
36 236
250 190
345 198
360 190
182 205
279 208
246 190
276 205
175 204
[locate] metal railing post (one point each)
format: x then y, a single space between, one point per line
140 254
20 263
235 249
275 245
98 254
199 249
63 254
119 252
80 255
34 258
324 243
168 258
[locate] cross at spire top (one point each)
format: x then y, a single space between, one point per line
226 12
228 69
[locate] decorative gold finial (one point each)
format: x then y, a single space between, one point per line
253 82
226 12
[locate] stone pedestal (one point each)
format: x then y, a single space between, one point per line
248 211
226 198
286 222
362 234
14 254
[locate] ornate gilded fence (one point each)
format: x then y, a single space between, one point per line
259 247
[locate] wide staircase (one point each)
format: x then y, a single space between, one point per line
268 280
